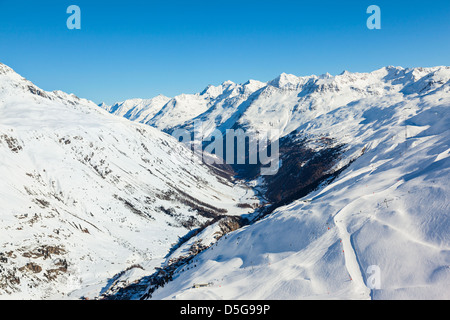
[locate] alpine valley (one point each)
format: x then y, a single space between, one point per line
102 202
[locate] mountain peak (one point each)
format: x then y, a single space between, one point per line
213 91
227 83
326 76
103 105
284 79
8 71
5 69
161 96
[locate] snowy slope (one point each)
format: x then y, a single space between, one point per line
85 195
225 108
139 110
287 102
214 104
92 203
186 107
389 210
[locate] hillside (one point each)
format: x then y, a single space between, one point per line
85 195
97 206
385 215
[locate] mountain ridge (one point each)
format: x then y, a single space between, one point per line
225 103
85 194
95 205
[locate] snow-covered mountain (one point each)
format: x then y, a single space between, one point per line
375 220
96 205
286 102
167 114
85 194
139 110
379 230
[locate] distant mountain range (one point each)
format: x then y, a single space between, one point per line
97 206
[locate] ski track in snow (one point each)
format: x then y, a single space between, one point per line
351 260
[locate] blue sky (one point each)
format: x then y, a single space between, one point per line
130 49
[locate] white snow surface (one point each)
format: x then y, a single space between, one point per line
139 110
389 209
85 194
